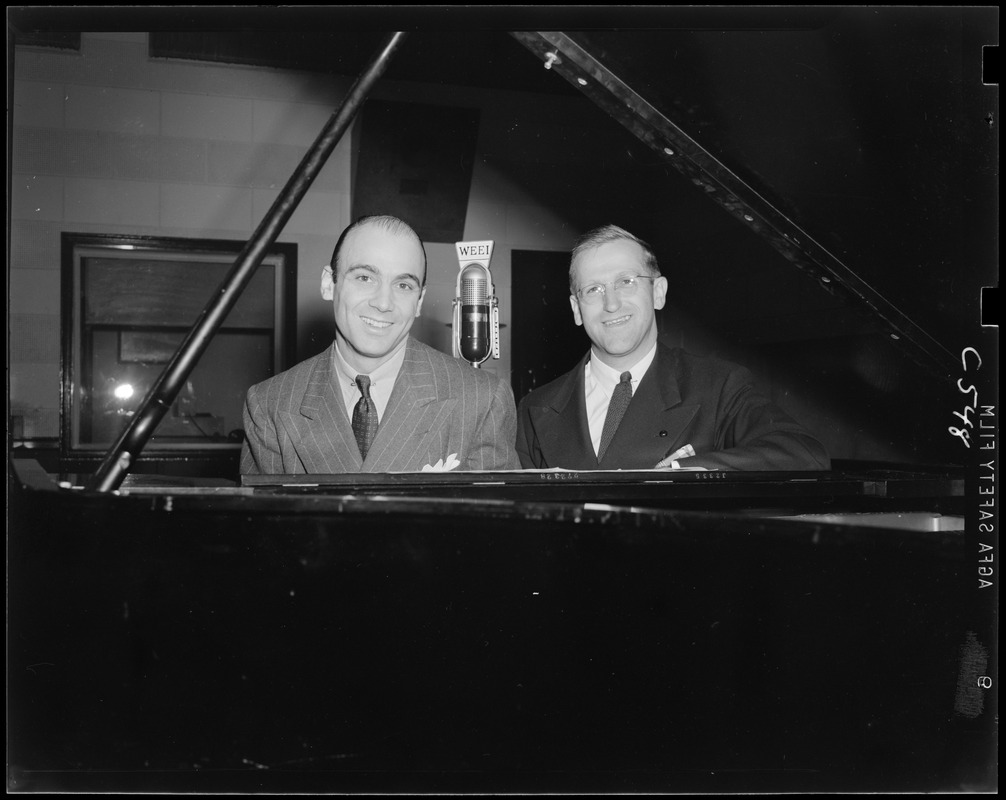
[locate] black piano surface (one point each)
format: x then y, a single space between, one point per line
430 633
858 492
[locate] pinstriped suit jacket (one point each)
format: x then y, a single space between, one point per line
297 422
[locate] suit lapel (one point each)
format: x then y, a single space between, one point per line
326 444
414 416
561 425
656 422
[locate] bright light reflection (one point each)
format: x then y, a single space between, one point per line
124 391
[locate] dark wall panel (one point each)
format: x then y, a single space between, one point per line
415 161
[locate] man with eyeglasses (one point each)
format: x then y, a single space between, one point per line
633 403
378 400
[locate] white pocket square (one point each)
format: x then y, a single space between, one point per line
442 465
683 452
671 460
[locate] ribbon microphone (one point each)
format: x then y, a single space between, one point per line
476 325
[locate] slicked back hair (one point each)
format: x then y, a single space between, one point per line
603 235
386 222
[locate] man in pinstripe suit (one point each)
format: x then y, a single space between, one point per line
377 400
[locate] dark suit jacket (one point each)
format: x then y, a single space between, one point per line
683 399
297 422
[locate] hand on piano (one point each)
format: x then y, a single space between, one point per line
671 461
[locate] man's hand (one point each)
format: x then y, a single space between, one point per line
672 461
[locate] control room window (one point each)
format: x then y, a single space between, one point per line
127 305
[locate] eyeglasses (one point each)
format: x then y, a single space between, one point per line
623 287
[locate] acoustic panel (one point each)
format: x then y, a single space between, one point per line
414 161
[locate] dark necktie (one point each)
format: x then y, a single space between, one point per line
364 417
616 410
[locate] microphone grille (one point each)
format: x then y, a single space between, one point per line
474 291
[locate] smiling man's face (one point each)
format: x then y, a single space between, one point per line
621 328
376 293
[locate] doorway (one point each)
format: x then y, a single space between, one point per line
545 341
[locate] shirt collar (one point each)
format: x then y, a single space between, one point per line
607 377
387 372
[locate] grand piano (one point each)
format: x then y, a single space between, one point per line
560 631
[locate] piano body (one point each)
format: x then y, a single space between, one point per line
558 631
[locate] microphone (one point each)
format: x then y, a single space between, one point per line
476 325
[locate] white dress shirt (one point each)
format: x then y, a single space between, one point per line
382 381
599 381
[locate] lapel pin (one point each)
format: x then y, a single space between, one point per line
662 433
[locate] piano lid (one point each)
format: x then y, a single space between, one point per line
857 145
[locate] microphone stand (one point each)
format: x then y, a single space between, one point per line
158 400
